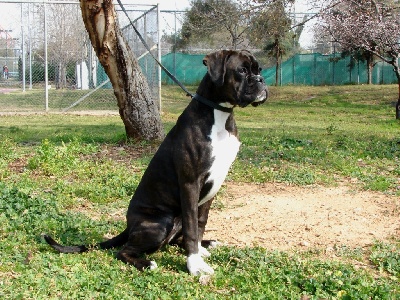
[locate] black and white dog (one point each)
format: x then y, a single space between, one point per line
172 201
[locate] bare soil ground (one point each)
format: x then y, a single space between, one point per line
281 217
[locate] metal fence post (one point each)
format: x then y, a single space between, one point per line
159 54
30 46
23 49
46 67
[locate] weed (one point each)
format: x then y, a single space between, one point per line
52 159
386 257
331 129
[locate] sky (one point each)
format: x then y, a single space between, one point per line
7 21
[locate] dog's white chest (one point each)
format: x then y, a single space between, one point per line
224 150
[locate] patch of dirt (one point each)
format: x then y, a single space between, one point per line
124 153
282 217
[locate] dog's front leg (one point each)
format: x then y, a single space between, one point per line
202 221
190 229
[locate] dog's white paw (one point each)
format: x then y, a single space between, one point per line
197 266
203 251
214 244
153 265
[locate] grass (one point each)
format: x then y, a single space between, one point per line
34 100
72 176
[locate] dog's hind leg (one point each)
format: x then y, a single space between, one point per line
147 238
204 209
203 217
130 256
141 242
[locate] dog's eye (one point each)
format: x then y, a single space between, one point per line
243 70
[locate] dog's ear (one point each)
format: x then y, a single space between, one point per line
216 65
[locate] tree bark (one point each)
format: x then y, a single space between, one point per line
370 65
277 53
398 100
137 108
396 69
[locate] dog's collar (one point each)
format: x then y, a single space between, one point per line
212 104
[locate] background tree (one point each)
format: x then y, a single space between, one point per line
137 108
64 42
371 25
271 28
217 23
357 55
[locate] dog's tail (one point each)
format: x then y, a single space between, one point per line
116 241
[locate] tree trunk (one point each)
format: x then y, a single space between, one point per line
370 65
398 100
277 49
396 69
137 108
61 80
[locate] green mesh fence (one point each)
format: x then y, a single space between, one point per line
188 68
318 69
301 69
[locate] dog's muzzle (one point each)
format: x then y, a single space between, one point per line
256 85
261 98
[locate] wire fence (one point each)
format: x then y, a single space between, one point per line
40 35
45 44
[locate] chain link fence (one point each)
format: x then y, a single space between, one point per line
36 36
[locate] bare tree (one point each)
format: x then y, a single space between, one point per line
371 25
137 108
64 43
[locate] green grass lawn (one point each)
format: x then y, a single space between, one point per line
72 177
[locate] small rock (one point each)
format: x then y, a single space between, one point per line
329 249
204 279
304 244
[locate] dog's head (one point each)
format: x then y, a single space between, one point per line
237 76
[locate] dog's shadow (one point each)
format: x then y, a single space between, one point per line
75 228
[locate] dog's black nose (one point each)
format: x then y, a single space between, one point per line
255 79
260 79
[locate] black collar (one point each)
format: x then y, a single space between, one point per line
212 104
